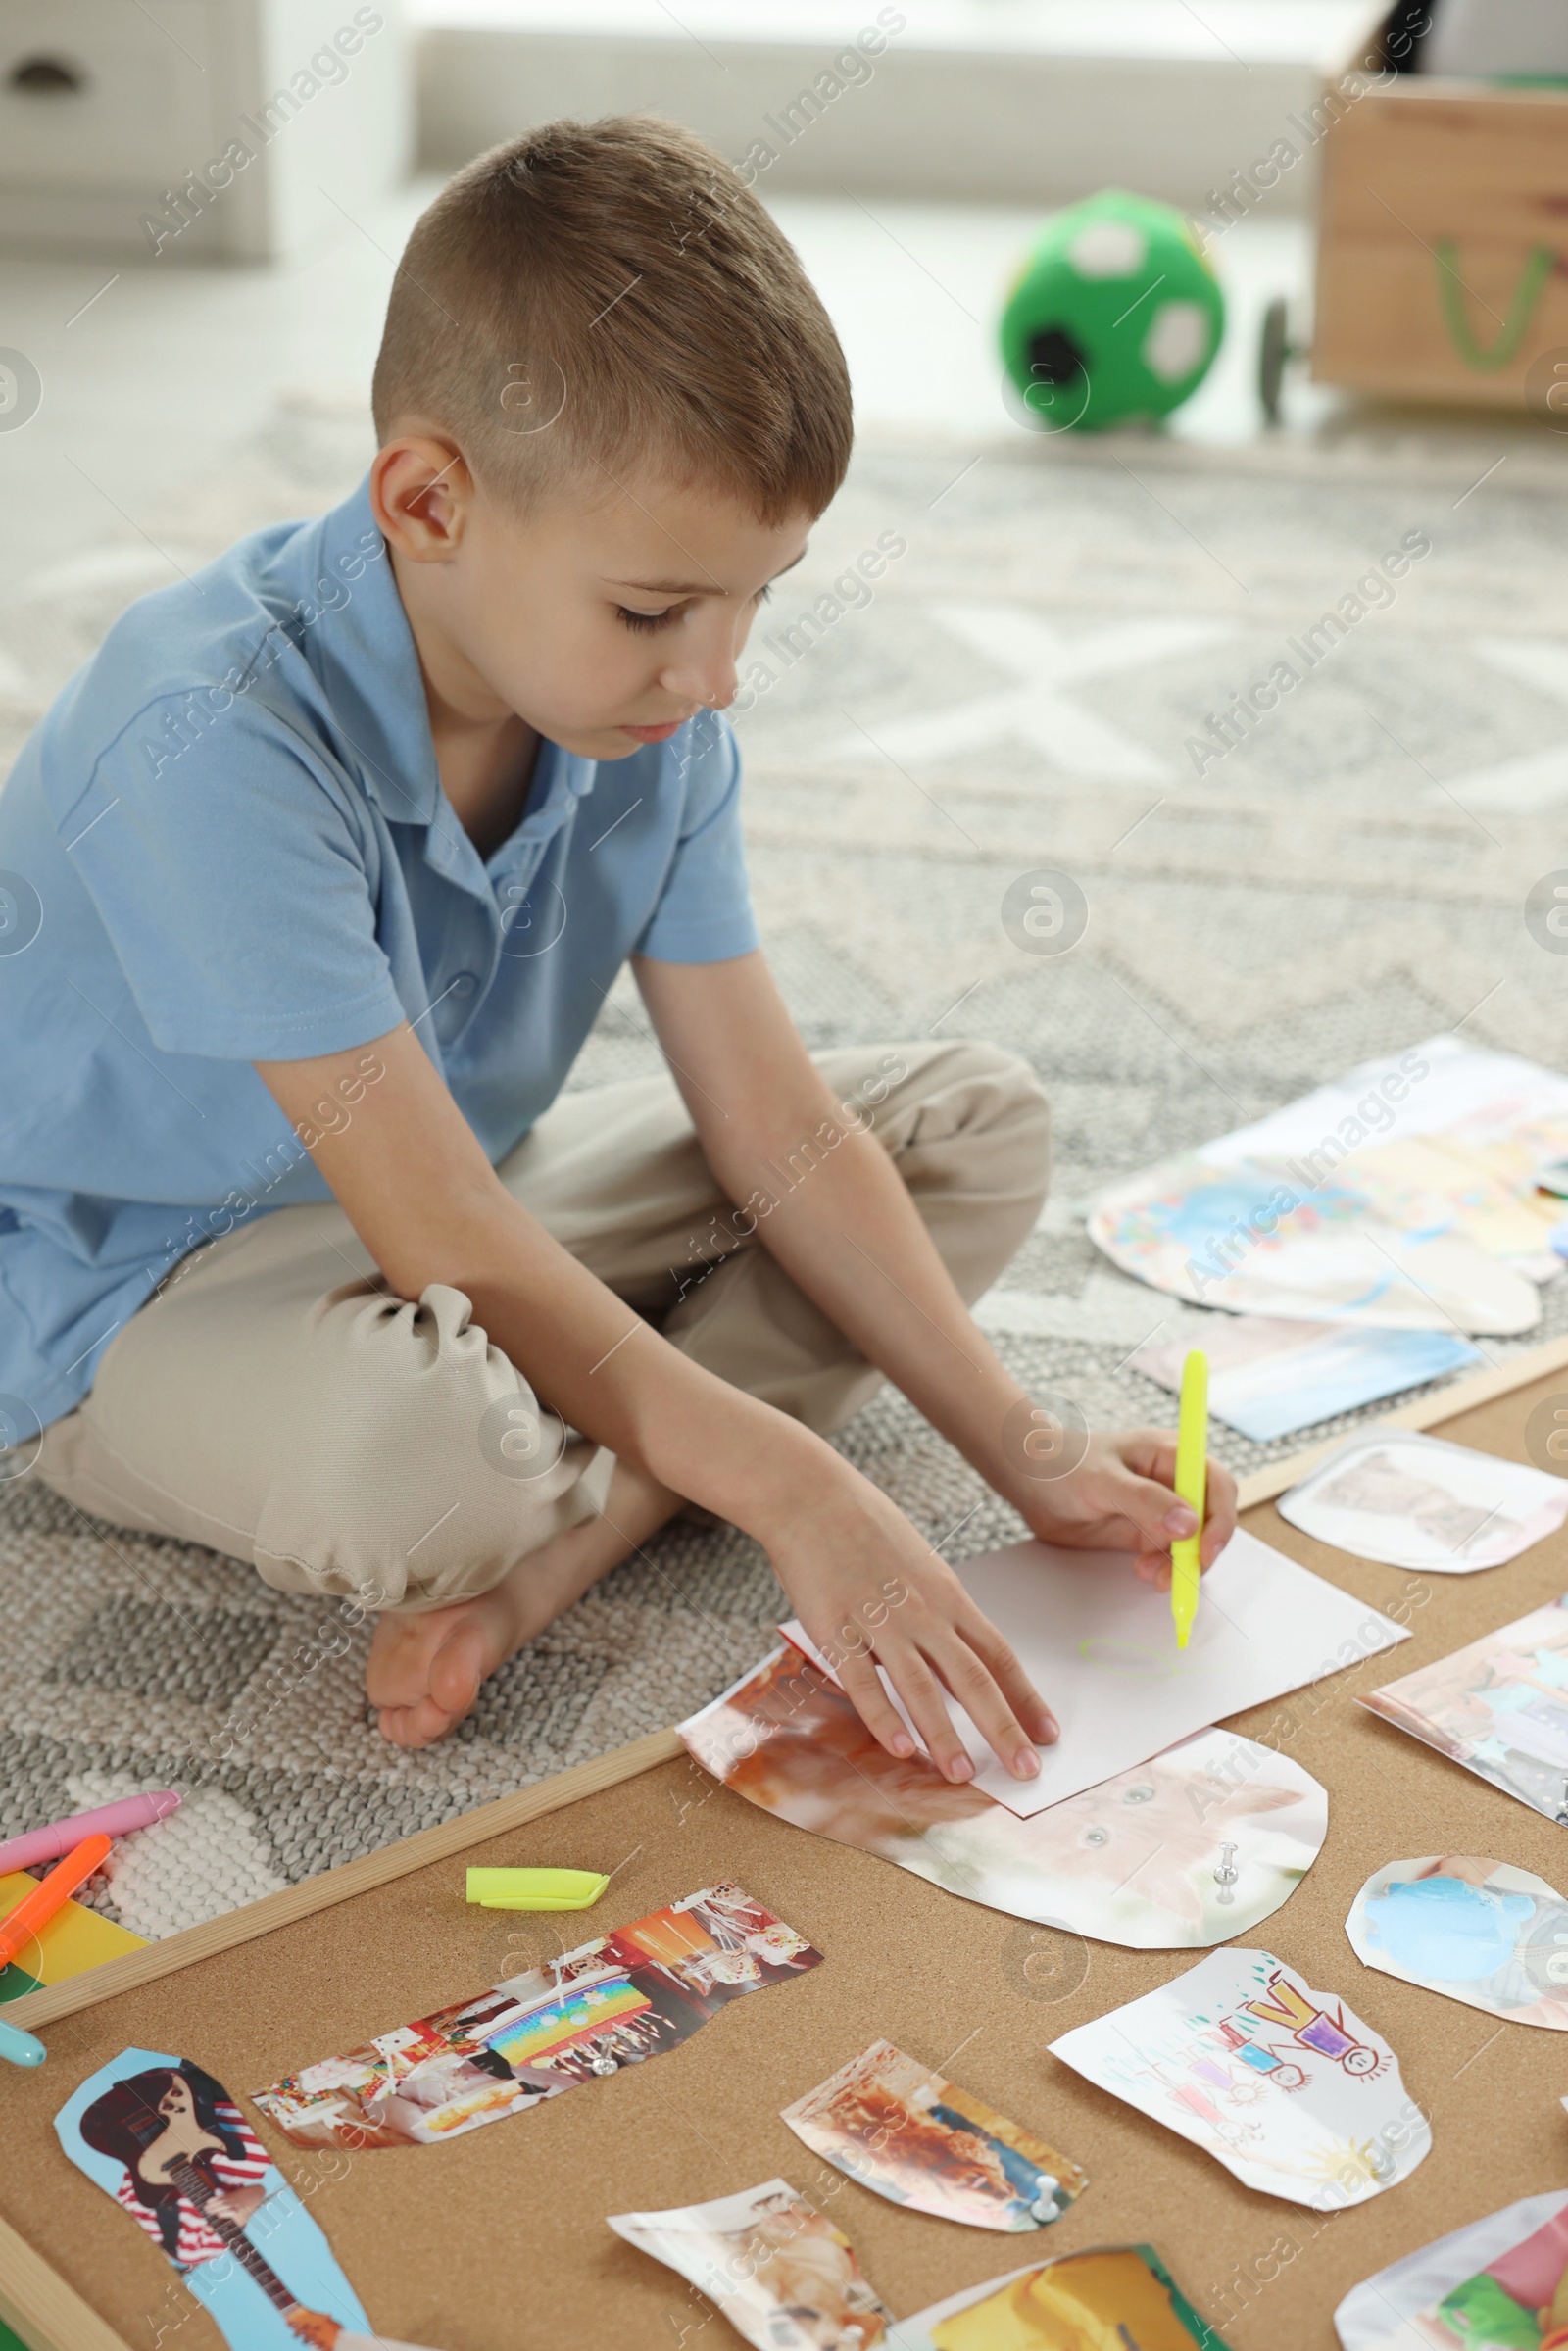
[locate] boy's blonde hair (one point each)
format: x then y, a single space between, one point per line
598 297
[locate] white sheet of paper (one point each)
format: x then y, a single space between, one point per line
1099 1645
1418 1501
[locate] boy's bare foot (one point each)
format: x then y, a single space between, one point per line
425 1671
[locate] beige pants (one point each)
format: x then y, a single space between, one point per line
276 1401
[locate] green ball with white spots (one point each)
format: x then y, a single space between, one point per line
1114 314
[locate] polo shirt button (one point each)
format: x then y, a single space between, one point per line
463 985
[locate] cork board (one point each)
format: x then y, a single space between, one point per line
497 2241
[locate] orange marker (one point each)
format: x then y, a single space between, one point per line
52 1893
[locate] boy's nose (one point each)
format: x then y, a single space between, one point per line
709 678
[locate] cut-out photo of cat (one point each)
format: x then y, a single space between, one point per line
1414 1502
1192 1848
1480 1932
901 2130
785 2277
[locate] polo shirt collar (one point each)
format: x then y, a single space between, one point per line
561 780
368 664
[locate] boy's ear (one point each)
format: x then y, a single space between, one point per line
422 492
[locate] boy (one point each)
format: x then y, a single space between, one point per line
335 852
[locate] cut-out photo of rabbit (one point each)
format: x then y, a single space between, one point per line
1416 1501
902 2130
780 2272
1197 1844
1479 1931
1287 2086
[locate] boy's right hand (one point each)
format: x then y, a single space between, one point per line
870 1593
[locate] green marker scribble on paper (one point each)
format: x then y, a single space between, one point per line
1134 1658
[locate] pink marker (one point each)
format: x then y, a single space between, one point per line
109 1819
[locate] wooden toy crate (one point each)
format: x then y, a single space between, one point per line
1442 237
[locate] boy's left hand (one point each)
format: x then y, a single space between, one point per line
1121 1497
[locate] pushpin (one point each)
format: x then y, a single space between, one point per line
1226 1875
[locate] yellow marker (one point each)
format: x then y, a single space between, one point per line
1192 1488
535 1889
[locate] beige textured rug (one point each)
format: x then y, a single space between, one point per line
1054 622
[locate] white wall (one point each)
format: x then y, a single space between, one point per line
1029 115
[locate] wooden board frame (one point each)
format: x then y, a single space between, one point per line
45 2307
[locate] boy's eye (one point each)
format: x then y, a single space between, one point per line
648 620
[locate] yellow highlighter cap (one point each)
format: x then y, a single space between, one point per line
535 1889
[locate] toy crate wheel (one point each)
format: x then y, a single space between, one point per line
1274 350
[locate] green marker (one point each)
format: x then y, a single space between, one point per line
535 1889
1191 1486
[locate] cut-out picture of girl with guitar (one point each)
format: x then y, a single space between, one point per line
171 2146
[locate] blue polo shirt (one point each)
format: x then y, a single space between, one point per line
226 843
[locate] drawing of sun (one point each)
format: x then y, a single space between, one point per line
1348 2164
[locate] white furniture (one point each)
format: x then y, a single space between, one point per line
197 130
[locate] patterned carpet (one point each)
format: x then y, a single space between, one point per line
1016 694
